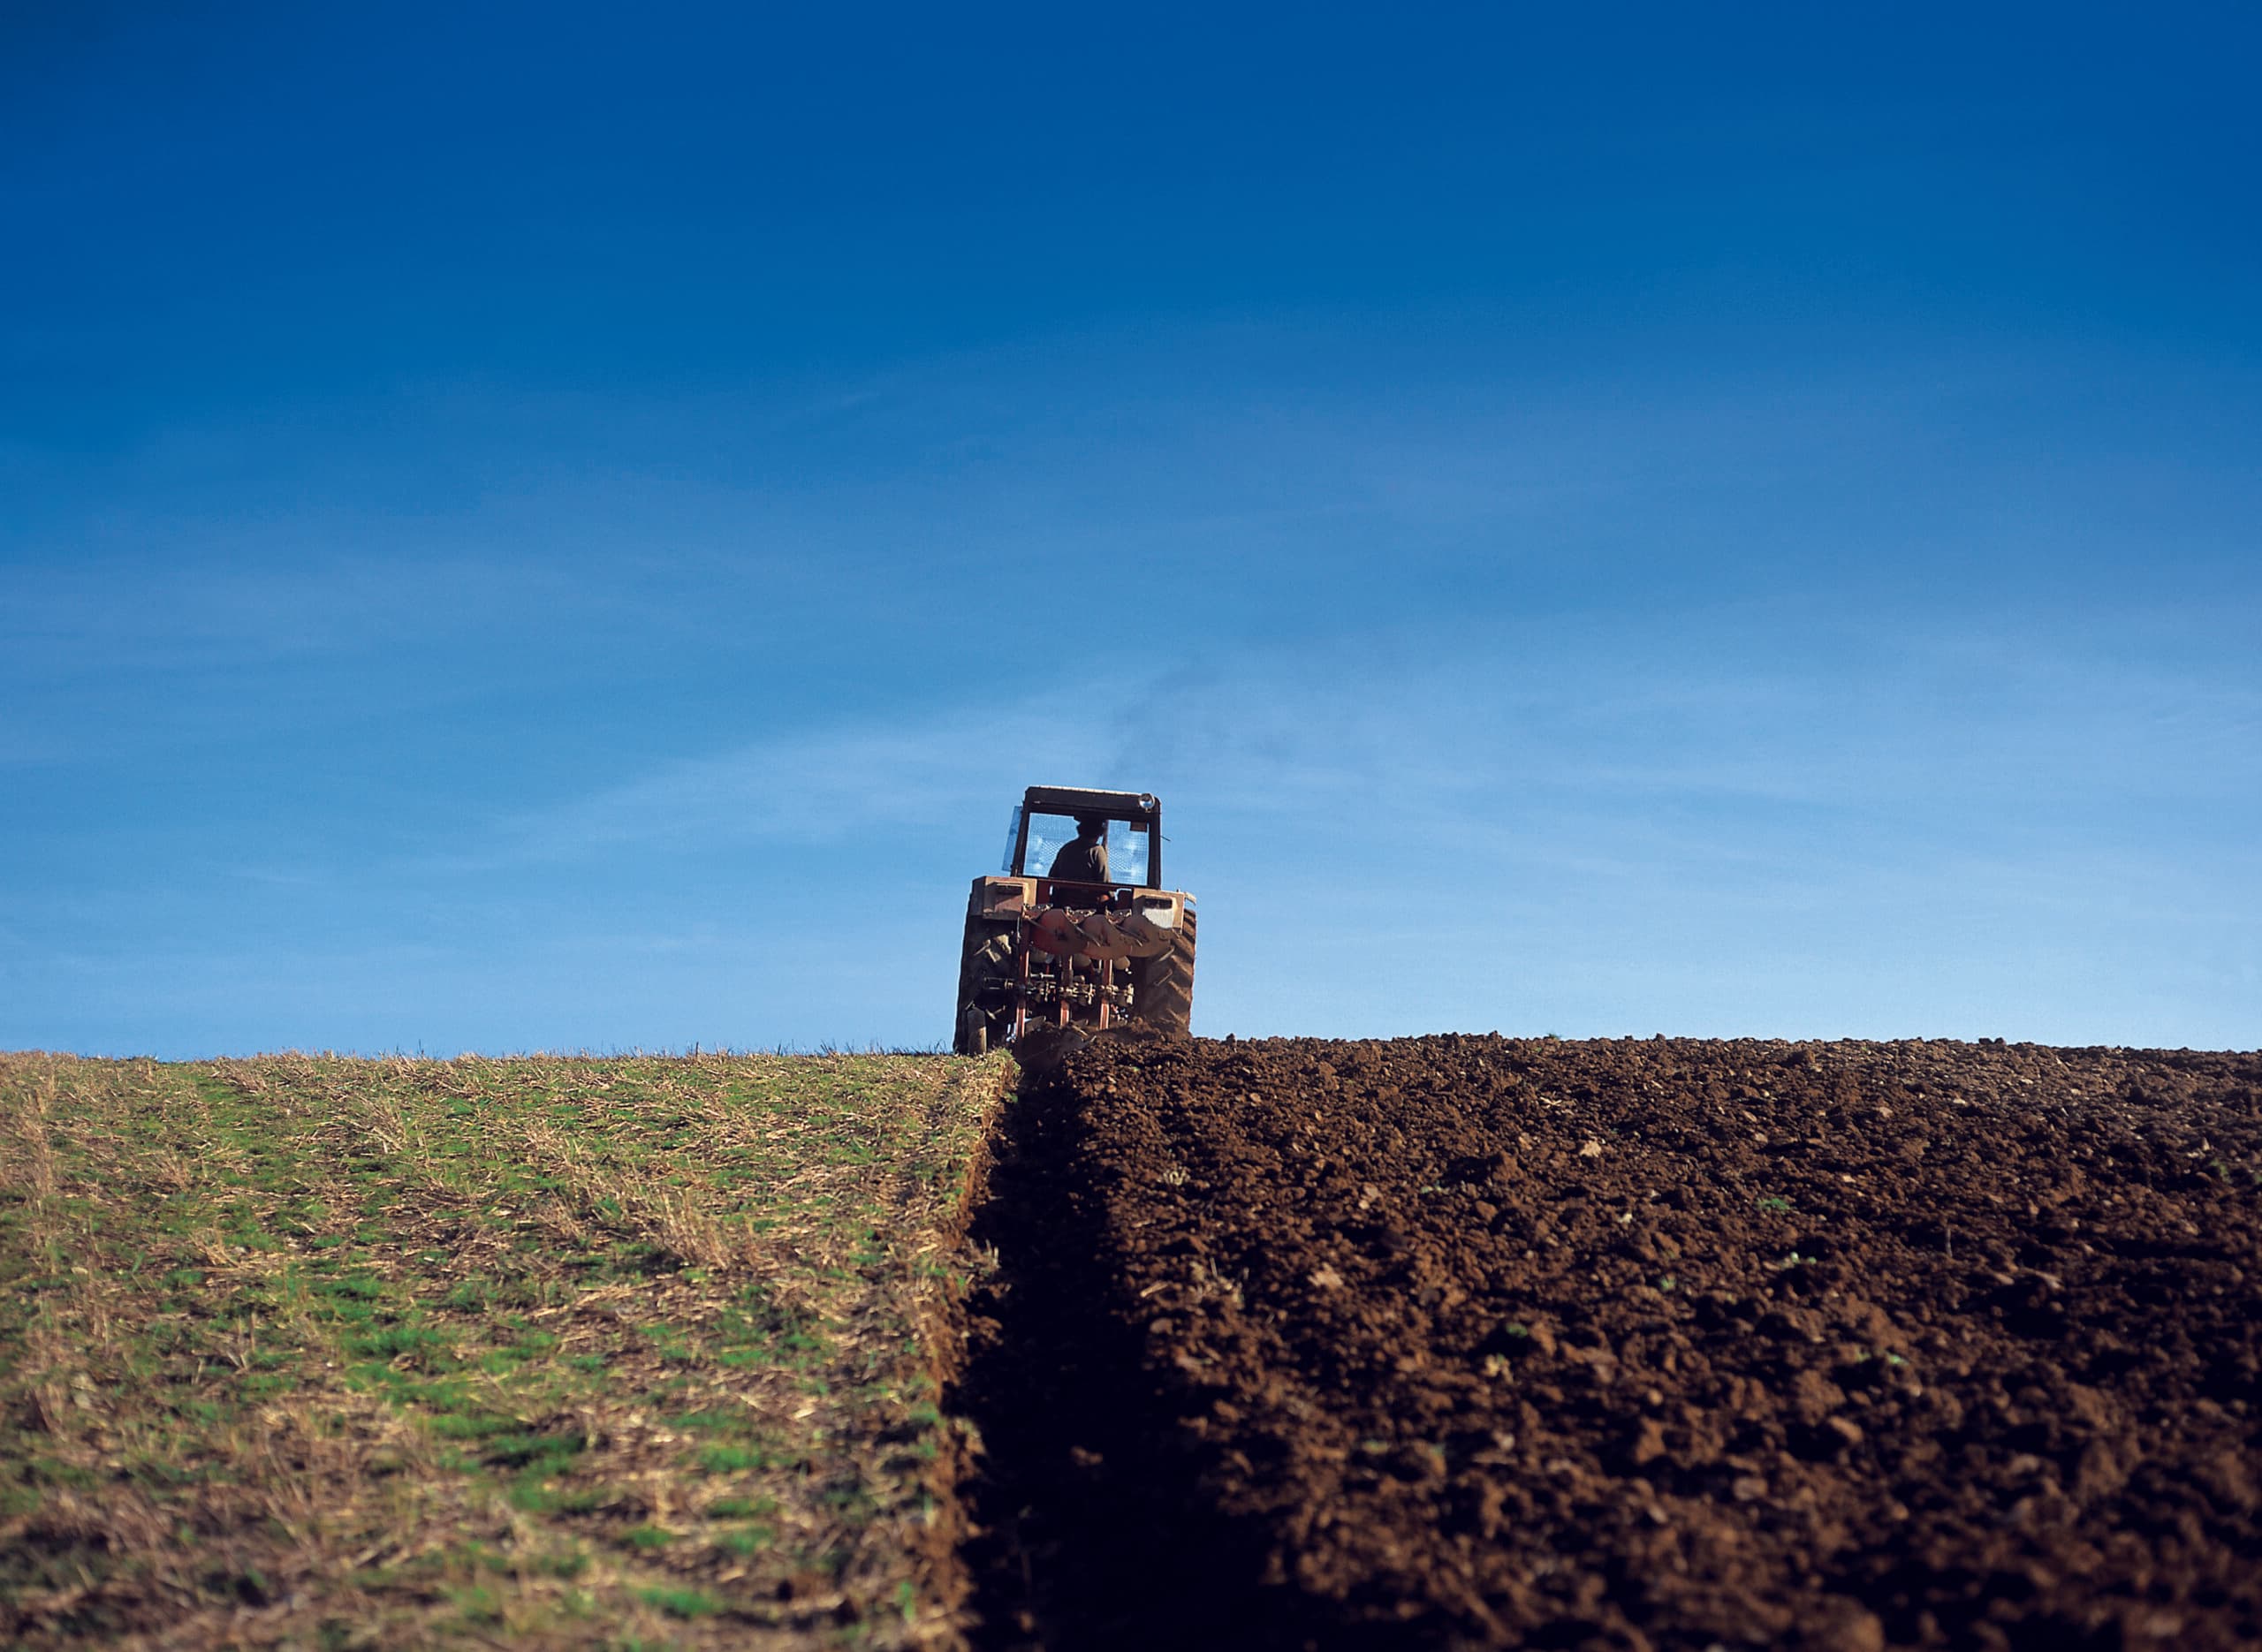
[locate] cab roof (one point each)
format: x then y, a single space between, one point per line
1123 805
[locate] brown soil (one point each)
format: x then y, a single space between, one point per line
1477 1341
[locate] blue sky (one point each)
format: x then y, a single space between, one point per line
561 528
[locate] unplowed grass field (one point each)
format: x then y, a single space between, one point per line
539 1353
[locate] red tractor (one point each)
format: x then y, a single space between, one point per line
1106 945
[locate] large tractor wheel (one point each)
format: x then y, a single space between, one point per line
1162 989
985 966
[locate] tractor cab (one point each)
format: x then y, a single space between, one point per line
1045 823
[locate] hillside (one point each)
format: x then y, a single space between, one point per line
1448 1342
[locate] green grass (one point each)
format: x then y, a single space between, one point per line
564 1353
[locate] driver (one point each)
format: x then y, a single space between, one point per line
1084 859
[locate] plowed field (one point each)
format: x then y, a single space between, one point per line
1474 1341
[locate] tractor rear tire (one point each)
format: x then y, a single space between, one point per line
1162 989
985 964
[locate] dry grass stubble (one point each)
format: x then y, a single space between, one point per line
564 1353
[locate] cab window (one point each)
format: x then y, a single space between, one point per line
1048 835
1126 846
1127 852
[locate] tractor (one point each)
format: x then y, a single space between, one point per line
1082 953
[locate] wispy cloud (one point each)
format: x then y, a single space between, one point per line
267 593
1486 734
859 782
